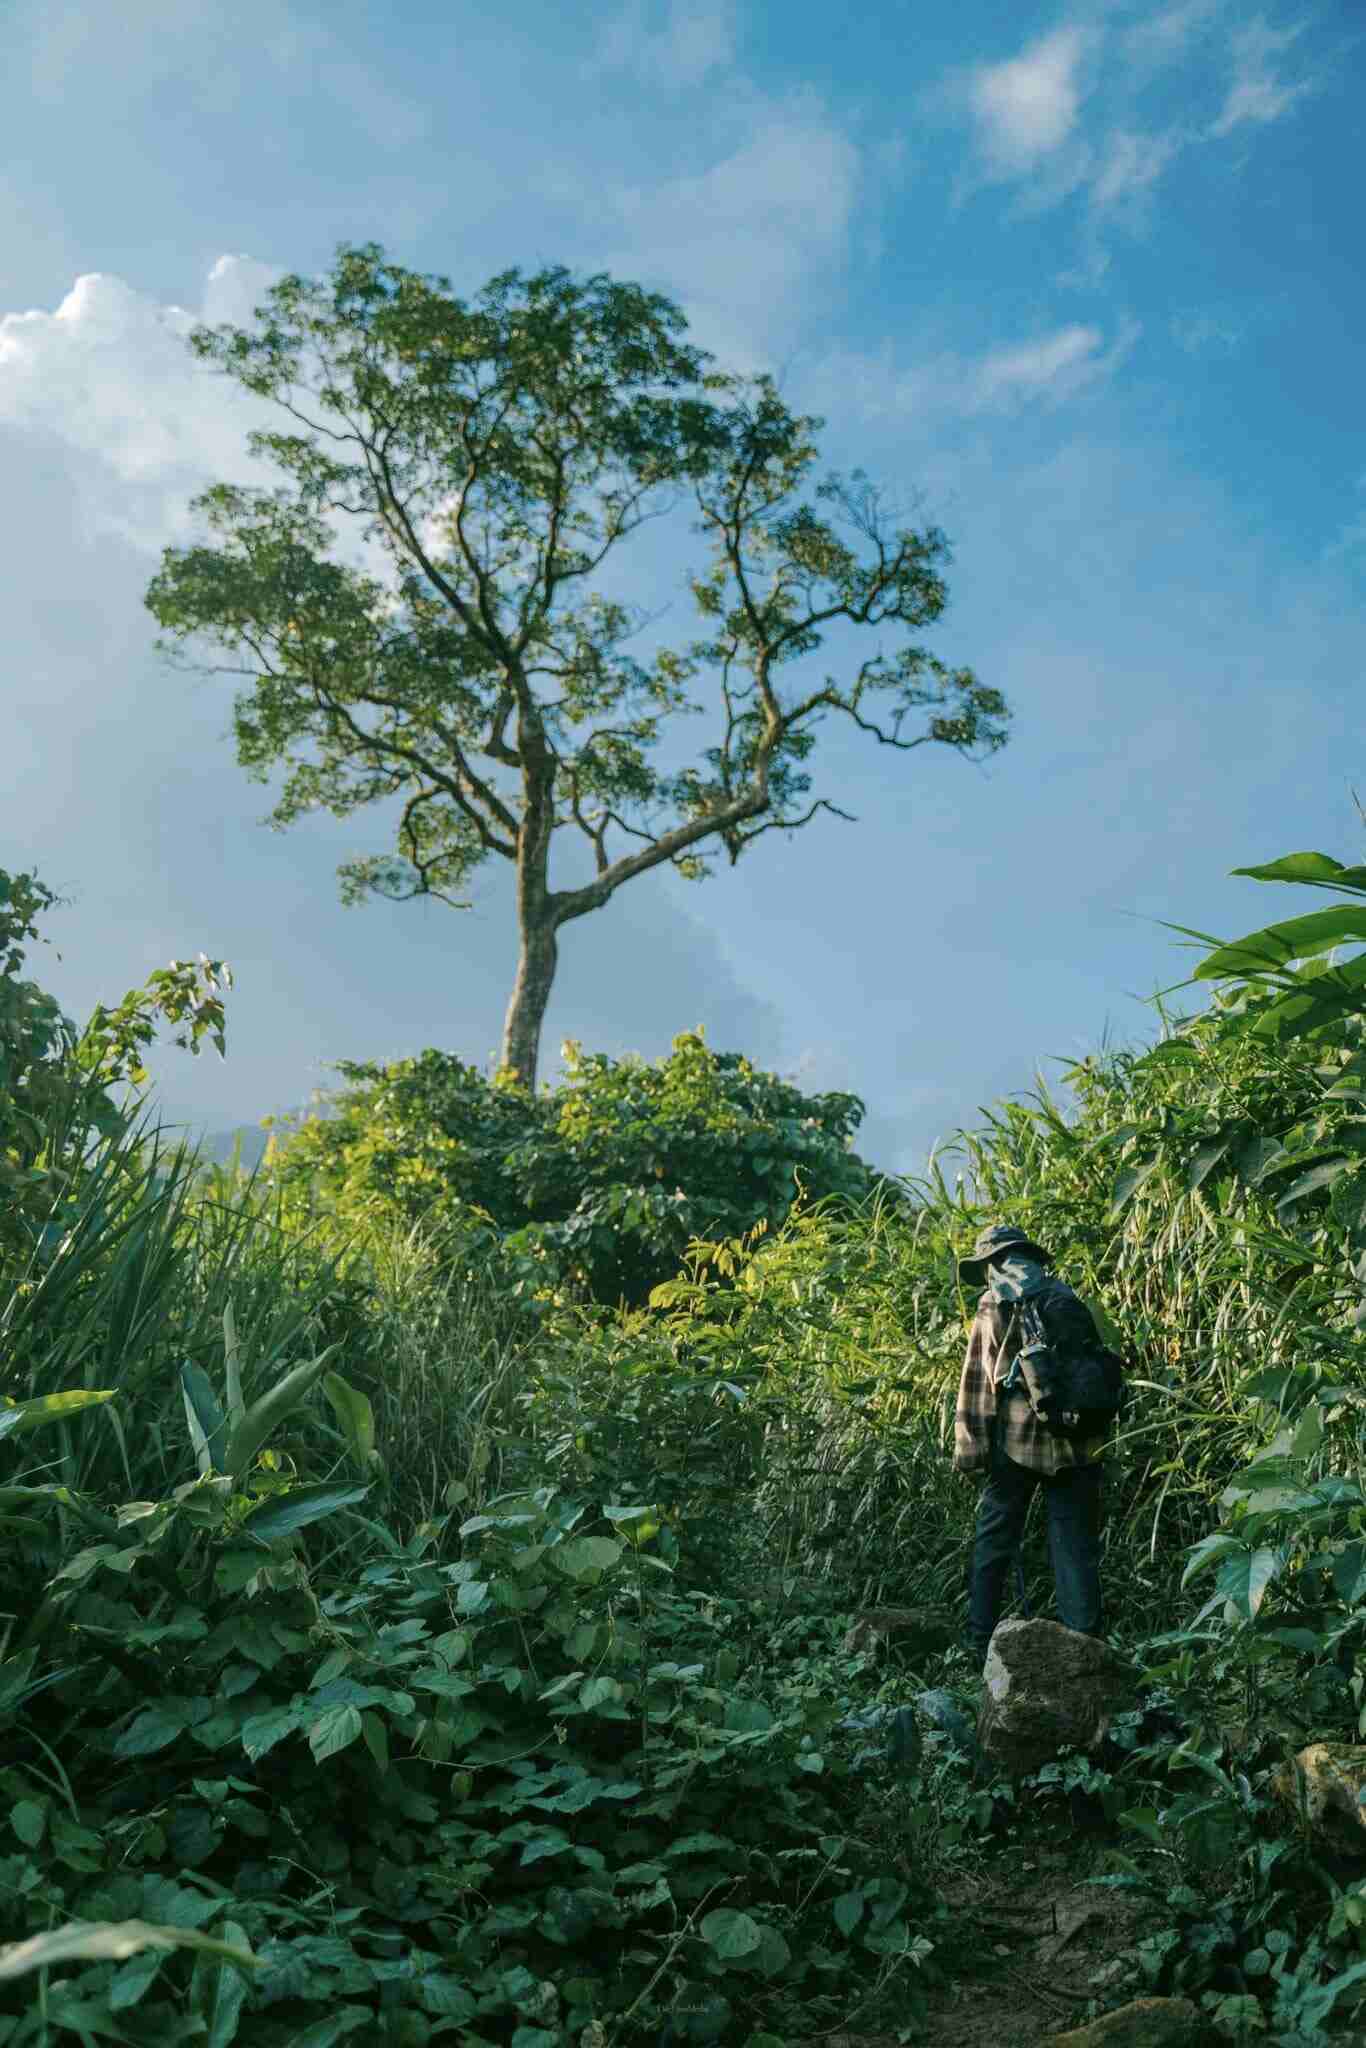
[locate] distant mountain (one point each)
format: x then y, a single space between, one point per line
216 1147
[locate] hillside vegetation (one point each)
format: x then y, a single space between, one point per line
428 1559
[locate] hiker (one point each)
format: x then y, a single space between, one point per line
999 1436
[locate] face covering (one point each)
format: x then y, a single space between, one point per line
1015 1279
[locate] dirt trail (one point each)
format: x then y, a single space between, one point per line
1044 1938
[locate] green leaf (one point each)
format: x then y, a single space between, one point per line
1206 1157
1301 867
232 1364
1321 1176
1308 1432
599 1692
1244 1578
287 1512
207 1423
731 1934
219 1992
1349 1575
356 1416
1131 1180
29 1821
153 1729
584 1554
848 1911
267 1413
334 1729
18 1417
1210 1550
106 1941
262 1731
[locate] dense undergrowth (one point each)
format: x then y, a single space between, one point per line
396 1649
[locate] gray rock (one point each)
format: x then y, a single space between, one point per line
1048 1688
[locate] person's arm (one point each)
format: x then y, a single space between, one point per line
976 1409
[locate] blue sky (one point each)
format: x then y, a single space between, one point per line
1082 285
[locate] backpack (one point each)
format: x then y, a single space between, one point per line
1075 1384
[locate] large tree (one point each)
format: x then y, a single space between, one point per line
492 456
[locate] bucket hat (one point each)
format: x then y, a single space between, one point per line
994 1244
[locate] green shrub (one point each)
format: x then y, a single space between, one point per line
594 1188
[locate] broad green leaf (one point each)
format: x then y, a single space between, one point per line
29 1821
583 1554
219 1992
1349 1575
1205 1159
207 1423
153 1729
376 1737
1321 1176
1295 867
1318 868
1131 1180
1308 1432
599 1692
109 1941
297 1508
17 1417
356 1416
731 1934
1210 1550
262 1731
848 1911
773 1954
334 1729
267 1413
1244 1577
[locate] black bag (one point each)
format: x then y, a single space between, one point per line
1075 1384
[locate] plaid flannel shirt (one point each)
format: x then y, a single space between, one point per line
993 1343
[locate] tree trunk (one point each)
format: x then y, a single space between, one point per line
530 994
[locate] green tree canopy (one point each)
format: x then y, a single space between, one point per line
491 456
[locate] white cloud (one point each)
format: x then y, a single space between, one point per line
1053 369
694 41
1130 168
1256 93
1026 108
215 58
1164 39
940 389
109 377
742 241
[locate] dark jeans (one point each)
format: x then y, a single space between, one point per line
1072 1499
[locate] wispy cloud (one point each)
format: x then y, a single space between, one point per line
1257 93
743 242
933 393
1165 38
1064 116
695 41
215 57
1026 108
1053 369
1130 167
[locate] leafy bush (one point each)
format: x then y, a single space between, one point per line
497 1794
596 1187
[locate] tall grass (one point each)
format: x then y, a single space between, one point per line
129 1274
